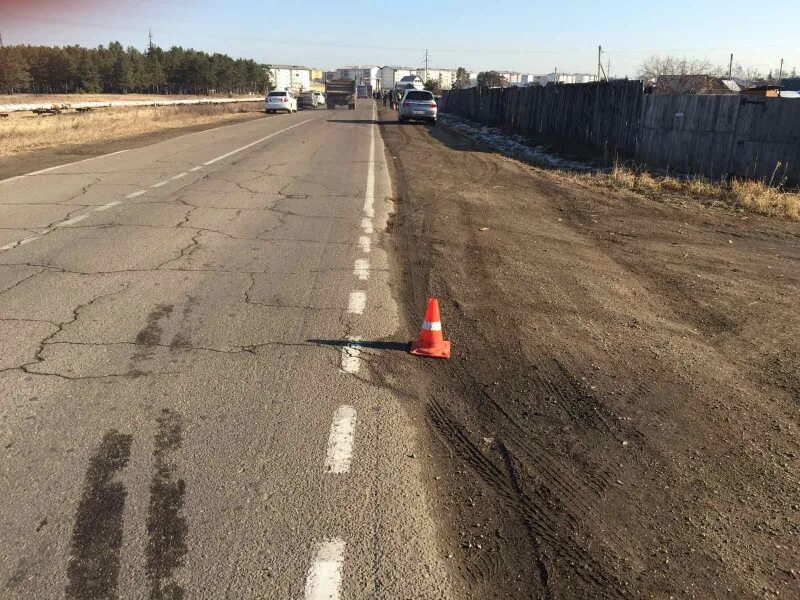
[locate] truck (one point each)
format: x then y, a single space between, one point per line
341 92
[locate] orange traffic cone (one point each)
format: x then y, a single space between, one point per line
431 343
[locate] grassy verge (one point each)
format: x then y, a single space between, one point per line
753 196
24 133
73 98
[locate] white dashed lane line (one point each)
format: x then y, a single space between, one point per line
365 243
21 242
160 183
366 225
135 194
324 579
107 206
195 169
178 176
361 269
340 441
357 302
251 144
350 356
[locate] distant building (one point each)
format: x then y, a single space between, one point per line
290 77
411 81
390 76
767 91
445 77
317 79
364 75
677 85
790 84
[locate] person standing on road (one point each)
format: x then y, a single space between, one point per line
385 98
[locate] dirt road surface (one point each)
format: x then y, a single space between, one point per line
620 416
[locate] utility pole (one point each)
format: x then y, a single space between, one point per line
780 77
730 67
1 39
426 65
150 39
599 61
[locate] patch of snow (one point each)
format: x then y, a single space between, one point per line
513 145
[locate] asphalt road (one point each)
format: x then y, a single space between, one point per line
185 407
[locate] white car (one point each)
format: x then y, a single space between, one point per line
280 100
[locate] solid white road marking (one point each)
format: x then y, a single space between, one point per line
134 194
325 575
364 242
357 302
61 166
107 206
251 144
160 183
71 221
197 168
361 269
350 356
178 176
369 195
21 242
340 441
366 225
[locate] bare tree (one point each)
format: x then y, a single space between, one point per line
657 66
748 76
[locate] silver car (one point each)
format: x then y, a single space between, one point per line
417 105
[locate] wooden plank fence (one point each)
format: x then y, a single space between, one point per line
605 114
716 136
723 136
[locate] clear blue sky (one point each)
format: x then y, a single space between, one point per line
523 35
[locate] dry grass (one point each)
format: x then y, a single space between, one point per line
73 98
754 196
31 132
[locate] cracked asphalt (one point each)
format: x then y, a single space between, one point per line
172 359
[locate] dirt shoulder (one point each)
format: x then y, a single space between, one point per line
43 158
620 416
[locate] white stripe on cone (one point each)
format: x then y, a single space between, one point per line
435 326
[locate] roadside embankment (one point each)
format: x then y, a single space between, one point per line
21 134
619 416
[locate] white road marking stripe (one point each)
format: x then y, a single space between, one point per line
197 168
160 183
325 575
61 166
107 206
357 302
178 176
361 269
432 325
350 356
369 196
134 194
364 242
19 243
340 441
366 225
251 144
71 221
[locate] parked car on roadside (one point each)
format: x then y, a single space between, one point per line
311 100
417 105
280 101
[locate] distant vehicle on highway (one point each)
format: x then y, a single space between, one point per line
311 100
340 92
417 105
280 101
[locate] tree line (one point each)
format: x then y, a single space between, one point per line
118 70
